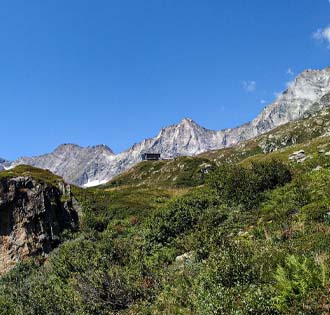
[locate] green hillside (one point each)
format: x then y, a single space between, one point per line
30 171
179 172
243 230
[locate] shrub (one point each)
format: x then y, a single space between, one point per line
101 292
296 278
178 217
271 174
236 185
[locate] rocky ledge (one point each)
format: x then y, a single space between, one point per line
32 216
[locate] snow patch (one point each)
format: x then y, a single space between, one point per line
95 183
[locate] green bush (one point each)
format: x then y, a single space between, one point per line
178 217
271 174
236 185
296 278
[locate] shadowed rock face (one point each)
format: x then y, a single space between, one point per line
32 216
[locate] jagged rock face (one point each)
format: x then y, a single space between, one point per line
74 163
186 138
91 166
32 216
302 95
325 100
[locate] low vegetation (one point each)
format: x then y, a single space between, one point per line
29 171
250 237
181 172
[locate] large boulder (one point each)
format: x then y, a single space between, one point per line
33 214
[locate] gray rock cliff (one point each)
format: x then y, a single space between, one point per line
32 216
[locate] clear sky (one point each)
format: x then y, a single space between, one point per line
115 72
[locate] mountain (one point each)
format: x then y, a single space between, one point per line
76 164
96 165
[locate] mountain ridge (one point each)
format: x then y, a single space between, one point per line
94 165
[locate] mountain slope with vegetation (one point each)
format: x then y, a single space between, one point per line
192 171
244 230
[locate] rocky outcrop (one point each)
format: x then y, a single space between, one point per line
32 216
298 156
91 166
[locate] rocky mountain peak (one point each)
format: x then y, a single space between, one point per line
302 95
189 124
310 84
98 164
71 148
67 147
187 121
103 147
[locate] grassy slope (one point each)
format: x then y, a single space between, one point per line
300 131
123 261
103 205
30 171
178 173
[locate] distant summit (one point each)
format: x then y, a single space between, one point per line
74 163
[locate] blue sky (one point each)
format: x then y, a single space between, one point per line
115 72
